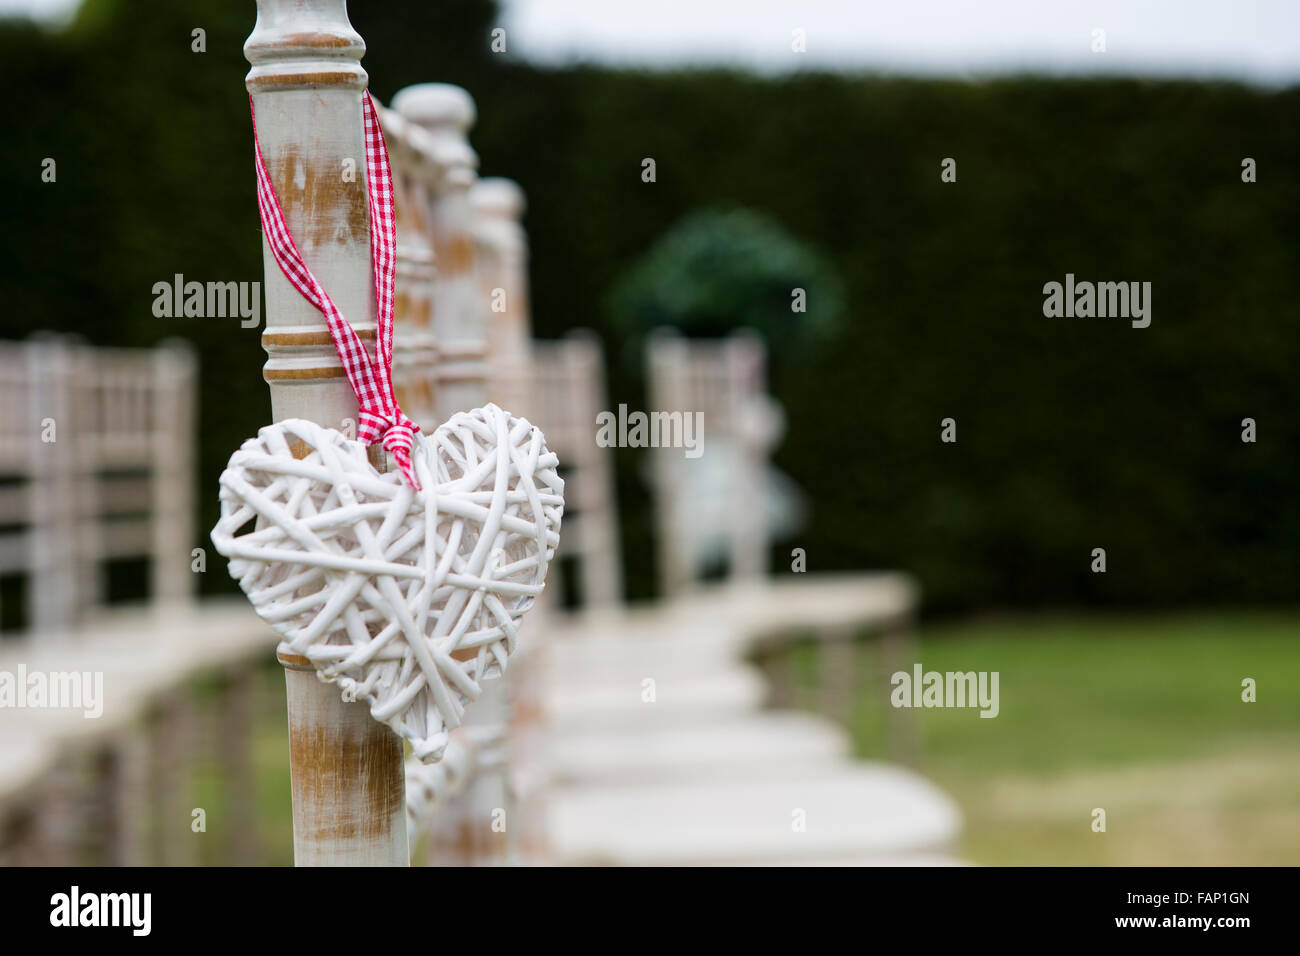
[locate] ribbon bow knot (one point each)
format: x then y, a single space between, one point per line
398 438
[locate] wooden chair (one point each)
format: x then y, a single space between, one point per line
96 446
723 384
568 392
710 778
97 464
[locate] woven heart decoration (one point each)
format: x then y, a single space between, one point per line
407 599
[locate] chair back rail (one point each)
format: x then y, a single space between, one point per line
723 383
96 465
569 392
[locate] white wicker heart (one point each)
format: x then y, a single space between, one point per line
406 599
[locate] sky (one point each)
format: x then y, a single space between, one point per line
1256 41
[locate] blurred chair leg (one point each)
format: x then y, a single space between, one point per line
898 653
780 669
170 766
838 684
18 841
43 826
530 836
420 852
451 834
57 819
11 833
235 741
114 797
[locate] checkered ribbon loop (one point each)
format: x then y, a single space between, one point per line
380 419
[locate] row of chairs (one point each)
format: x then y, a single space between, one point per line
97 451
626 731
96 467
621 734
657 742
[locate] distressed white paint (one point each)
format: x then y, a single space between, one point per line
446 113
417 175
502 267
306 82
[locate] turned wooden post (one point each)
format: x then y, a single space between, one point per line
460 314
306 83
502 259
416 175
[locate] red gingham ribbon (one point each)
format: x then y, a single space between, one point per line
379 418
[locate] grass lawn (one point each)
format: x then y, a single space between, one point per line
1140 716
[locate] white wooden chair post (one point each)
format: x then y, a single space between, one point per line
175 372
53 586
460 316
434 797
725 382
416 174
513 383
745 358
99 427
501 267
306 82
16 451
502 260
569 392
602 570
172 727
238 705
667 362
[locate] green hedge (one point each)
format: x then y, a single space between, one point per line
1072 433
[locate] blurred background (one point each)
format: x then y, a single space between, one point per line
777 170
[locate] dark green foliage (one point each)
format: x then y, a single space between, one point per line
719 268
1073 433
